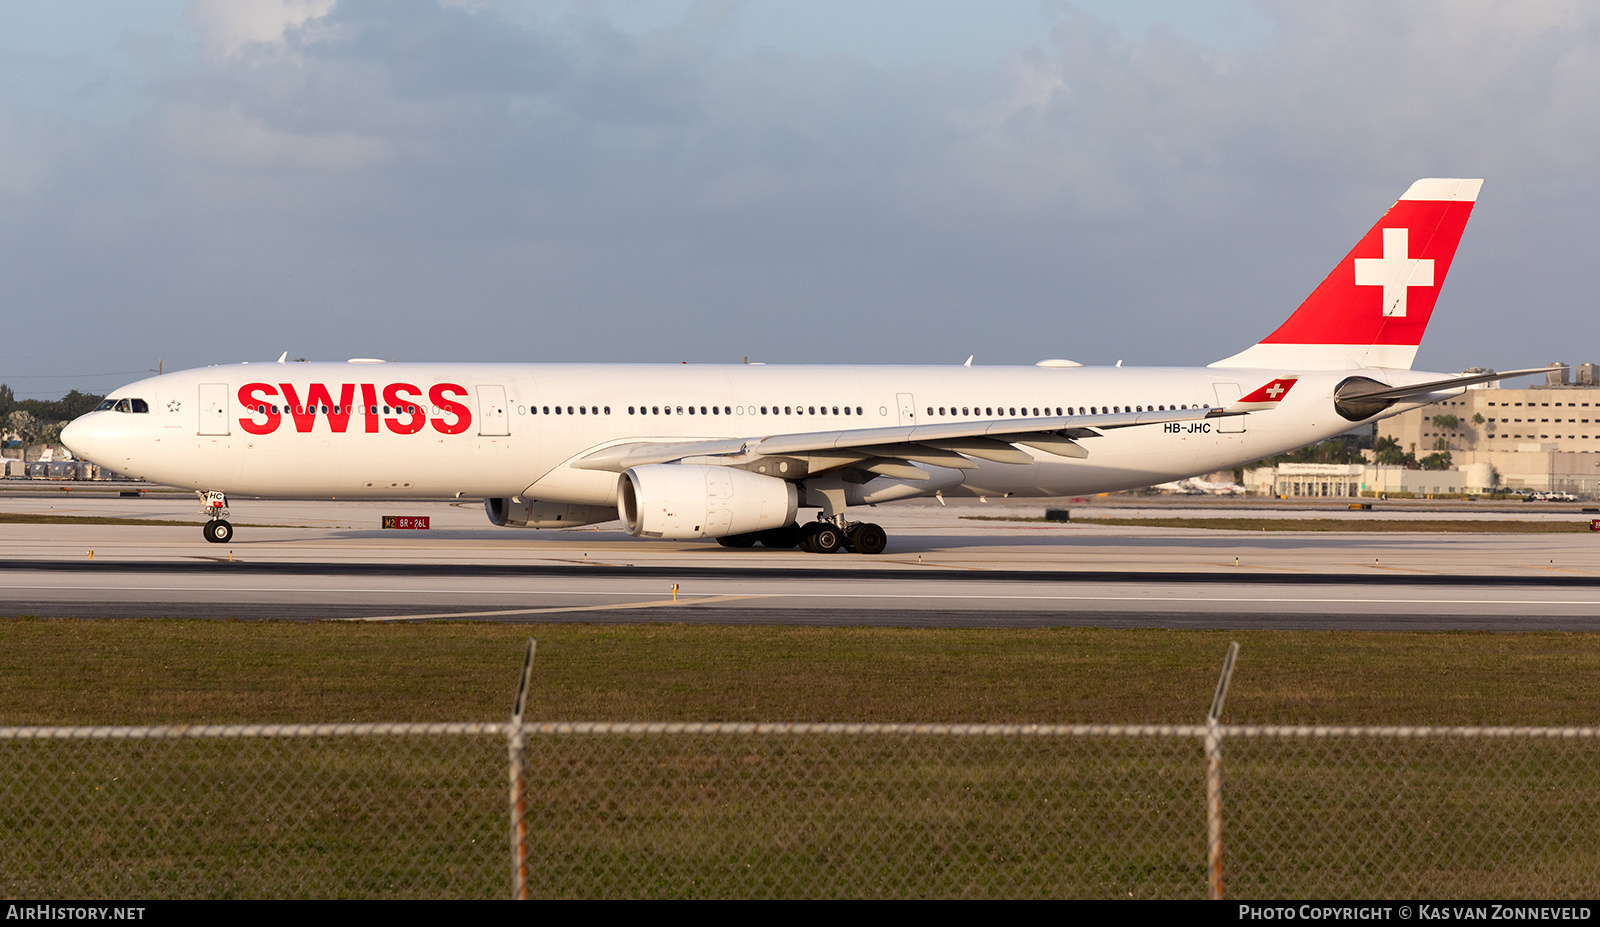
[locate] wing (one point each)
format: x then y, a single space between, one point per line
892 451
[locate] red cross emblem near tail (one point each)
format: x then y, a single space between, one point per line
1271 393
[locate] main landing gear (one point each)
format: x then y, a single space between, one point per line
823 536
832 531
216 529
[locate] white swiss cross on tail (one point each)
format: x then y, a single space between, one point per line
1265 397
1396 271
1401 263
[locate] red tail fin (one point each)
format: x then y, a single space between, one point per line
1372 310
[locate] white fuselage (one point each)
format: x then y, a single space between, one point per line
403 430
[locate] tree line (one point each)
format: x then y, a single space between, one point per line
39 421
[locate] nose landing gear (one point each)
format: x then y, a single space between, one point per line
216 529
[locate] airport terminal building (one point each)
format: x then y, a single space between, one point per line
1544 437
1352 480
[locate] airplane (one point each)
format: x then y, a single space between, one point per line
1195 486
733 452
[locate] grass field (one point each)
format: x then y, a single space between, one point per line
720 816
32 518
64 671
1556 524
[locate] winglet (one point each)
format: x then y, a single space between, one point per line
1267 396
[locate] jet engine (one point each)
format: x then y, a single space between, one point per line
687 501
518 512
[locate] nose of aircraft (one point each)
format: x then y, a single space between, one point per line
79 436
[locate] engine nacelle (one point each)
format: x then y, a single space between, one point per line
532 513
686 501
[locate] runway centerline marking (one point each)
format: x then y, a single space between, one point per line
566 608
710 597
1253 566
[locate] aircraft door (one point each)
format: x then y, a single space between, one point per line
492 417
908 408
213 408
1227 395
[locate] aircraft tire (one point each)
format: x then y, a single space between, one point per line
218 531
869 539
823 538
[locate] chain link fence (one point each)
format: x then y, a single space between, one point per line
254 811
1398 812
864 811
798 810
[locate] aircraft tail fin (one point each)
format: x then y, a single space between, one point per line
1372 310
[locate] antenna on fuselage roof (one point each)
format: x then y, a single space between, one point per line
969 360
283 358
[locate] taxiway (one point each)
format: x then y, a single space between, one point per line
331 560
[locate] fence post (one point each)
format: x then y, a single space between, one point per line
519 820
1214 778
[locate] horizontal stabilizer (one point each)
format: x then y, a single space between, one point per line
1360 398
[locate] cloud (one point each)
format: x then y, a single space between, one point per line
31 145
229 137
419 179
228 27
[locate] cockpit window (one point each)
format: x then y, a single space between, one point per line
139 405
104 405
125 405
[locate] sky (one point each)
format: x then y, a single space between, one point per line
193 182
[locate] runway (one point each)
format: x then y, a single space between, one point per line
321 560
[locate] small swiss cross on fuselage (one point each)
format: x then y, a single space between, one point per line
1271 392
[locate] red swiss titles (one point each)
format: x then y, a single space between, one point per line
404 411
